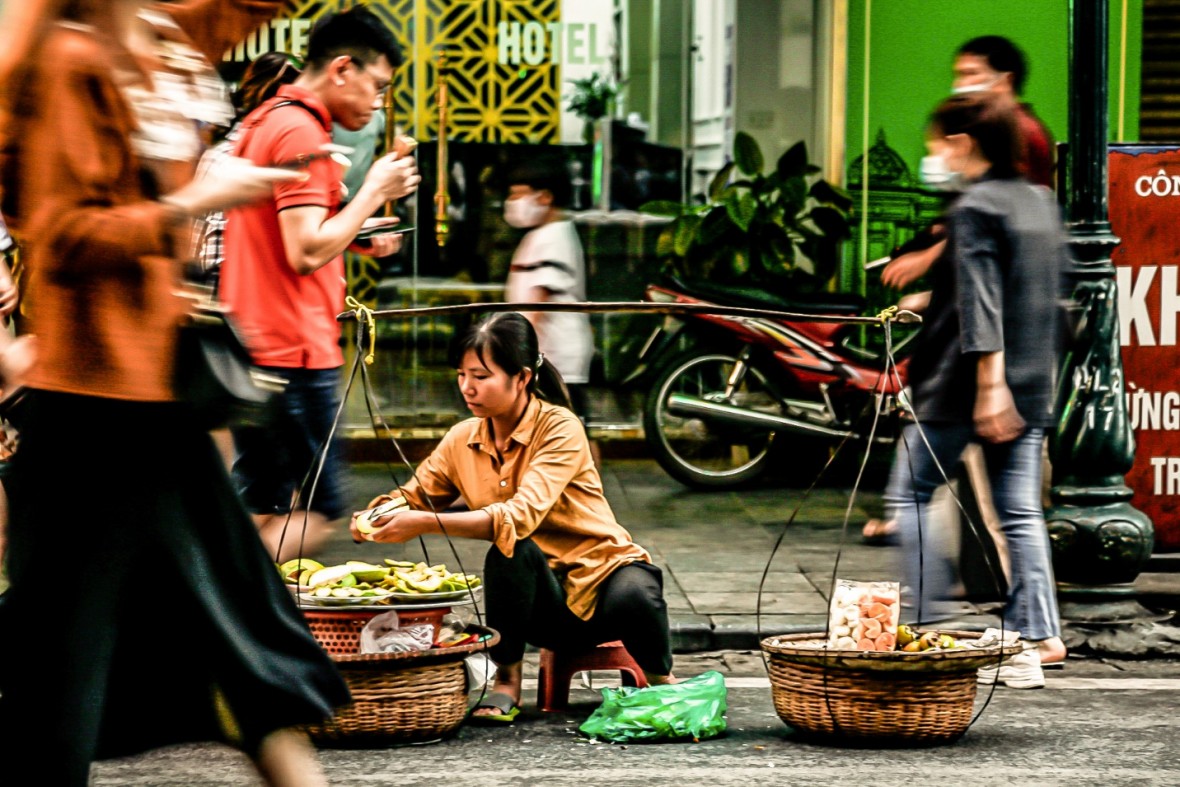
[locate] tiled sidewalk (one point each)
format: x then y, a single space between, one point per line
714 548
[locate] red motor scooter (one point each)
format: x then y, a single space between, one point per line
728 393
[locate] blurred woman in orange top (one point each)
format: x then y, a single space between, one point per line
177 627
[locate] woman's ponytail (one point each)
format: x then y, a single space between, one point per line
548 384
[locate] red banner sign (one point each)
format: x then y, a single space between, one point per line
1145 215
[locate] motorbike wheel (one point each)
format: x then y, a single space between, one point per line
703 452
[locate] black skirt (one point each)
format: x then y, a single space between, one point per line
142 609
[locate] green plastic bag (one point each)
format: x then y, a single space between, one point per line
693 709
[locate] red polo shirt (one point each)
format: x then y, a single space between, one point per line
1038 147
287 320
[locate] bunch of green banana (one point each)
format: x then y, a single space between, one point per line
913 641
407 577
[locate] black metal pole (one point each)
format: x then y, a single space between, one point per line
1100 541
1088 122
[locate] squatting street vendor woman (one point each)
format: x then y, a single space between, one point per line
561 572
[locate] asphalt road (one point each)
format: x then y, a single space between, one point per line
1096 723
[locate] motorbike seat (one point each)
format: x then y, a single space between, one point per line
725 295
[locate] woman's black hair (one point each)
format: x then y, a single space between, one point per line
990 120
262 80
509 340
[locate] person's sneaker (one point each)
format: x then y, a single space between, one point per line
1022 671
992 637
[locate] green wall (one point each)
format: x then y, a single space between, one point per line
912 44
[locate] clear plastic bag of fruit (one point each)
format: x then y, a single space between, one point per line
382 634
864 615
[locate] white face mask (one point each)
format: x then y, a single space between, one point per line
524 212
978 87
934 172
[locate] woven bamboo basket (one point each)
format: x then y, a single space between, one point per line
339 630
401 697
882 698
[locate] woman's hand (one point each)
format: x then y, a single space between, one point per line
996 417
908 268
234 181
396 528
385 246
16 360
9 295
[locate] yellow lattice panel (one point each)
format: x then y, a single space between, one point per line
490 101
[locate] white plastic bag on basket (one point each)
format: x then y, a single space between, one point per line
383 635
864 615
481 671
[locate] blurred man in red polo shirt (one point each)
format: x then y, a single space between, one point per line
994 63
987 63
283 275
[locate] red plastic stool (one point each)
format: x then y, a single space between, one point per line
558 668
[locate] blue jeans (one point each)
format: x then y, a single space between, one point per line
1014 469
272 462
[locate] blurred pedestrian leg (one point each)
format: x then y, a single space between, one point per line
918 470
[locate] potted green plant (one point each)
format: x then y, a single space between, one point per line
592 99
779 230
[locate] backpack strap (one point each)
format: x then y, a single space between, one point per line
247 130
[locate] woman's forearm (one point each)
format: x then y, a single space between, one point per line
989 371
463 524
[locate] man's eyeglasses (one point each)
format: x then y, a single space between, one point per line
381 87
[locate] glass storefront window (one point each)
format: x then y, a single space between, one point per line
685 76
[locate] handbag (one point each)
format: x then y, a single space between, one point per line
215 375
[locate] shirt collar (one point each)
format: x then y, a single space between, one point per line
308 99
523 434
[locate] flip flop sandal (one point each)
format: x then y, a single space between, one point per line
499 701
